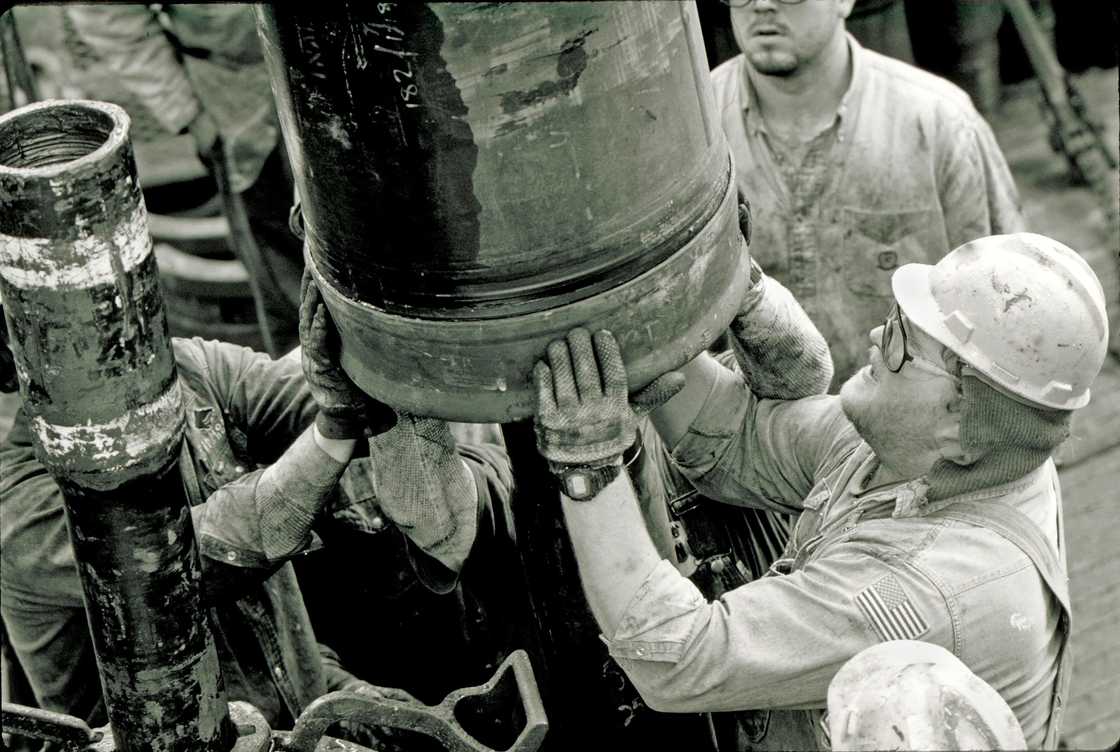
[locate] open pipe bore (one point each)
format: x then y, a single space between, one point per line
53 135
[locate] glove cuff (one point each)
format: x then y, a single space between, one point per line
341 423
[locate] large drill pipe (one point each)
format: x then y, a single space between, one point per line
479 178
88 332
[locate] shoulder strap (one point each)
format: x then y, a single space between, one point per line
1017 528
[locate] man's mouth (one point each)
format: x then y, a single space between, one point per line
767 30
870 367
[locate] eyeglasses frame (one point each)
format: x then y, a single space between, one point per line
885 339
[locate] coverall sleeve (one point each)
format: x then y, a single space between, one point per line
266 400
762 453
129 39
263 517
775 642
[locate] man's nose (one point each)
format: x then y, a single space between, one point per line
876 335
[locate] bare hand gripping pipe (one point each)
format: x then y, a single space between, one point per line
84 310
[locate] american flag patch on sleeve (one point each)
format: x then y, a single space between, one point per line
887 607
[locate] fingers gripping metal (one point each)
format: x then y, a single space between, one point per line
441 722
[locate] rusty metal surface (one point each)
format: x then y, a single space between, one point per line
68 732
71 734
442 722
89 336
478 178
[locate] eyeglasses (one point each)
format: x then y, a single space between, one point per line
895 352
745 3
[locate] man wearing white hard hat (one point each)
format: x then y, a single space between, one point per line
928 506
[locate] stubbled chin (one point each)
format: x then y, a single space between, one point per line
773 63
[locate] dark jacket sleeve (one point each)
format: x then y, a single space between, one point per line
265 403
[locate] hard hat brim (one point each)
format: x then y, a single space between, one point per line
911 287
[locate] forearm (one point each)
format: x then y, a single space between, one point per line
292 490
778 348
613 549
674 417
265 517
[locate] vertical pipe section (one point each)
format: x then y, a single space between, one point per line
590 702
85 314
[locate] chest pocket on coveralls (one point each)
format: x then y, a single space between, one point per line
877 243
211 439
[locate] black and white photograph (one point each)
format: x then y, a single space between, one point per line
706 375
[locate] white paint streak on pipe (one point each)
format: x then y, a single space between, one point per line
134 436
34 263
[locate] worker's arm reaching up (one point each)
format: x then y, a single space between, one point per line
780 352
266 515
584 423
776 345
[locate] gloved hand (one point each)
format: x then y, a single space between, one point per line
583 414
780 351
375 737
341 404
425 488
366 689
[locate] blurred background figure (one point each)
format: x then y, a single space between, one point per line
904 694
843 191
198 69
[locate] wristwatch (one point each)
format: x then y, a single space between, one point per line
584 482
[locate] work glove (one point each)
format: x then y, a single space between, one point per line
780 351
376 692
373 736
425 488
584 417
342 406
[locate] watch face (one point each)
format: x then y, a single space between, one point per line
578 485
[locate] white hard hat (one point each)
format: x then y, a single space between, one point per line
1023 310
912 695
